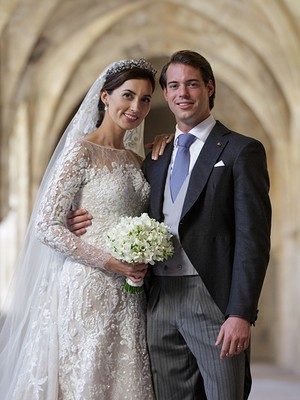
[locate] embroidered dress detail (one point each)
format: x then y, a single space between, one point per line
98 328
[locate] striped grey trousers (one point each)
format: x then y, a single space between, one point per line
183 323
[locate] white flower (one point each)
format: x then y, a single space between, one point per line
137 240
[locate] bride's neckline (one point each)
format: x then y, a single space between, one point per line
103 147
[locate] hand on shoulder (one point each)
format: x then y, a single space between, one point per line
159 144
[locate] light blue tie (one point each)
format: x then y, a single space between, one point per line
181 164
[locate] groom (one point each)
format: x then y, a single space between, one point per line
203 301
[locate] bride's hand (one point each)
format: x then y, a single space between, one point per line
134 272
159 144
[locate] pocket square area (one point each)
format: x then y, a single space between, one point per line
219 164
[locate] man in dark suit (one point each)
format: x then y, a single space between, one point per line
203 301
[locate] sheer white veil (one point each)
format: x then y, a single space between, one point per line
33 300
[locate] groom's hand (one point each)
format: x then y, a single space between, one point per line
77 221
234 336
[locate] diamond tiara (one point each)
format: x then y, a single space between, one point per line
130 64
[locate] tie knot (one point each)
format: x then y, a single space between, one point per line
185 140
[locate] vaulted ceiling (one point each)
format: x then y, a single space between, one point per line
51 51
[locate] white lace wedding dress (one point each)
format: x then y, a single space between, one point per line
100 342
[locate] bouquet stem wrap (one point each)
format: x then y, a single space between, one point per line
133 287
139 240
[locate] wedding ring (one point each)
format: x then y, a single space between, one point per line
166 137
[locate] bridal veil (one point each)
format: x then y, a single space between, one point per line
29 330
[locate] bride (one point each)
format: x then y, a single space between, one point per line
72 331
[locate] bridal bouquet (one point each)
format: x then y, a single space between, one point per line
139 240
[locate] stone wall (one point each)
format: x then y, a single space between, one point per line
51 51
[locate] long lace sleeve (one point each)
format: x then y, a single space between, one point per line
69 177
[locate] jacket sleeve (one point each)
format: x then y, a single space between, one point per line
252 210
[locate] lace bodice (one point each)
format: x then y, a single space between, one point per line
72 331
89 330
107 182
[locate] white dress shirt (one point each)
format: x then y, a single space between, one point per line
201 131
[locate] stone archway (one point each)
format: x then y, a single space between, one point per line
51 51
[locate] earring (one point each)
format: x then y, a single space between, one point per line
105 107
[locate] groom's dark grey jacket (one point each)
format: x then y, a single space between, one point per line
226 218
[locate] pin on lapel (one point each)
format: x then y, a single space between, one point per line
219 144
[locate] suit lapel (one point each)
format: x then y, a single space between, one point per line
210 153
158 181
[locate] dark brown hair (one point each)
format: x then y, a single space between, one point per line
196 61
115 80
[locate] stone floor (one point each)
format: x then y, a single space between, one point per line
273 383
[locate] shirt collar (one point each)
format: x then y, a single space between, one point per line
201 131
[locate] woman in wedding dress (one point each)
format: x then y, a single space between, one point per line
73 333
